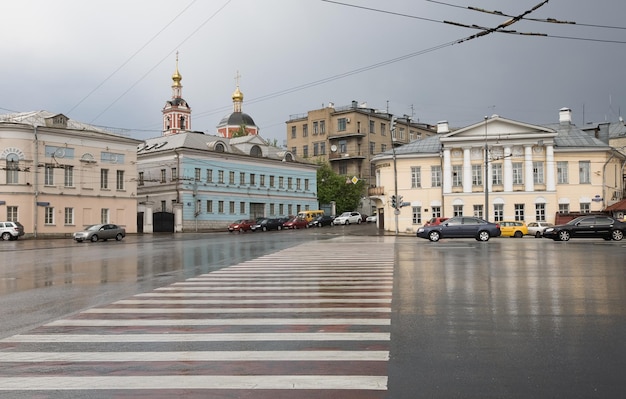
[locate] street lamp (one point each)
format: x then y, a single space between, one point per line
396 211
486 175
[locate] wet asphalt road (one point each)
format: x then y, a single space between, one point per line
511 318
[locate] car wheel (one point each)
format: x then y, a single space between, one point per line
358 221
538 234
483 236
347 222
264 228
241 230
119 237
564 235
94 238
617 235
518 234
434 236
6 236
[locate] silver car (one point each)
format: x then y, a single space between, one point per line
97 232
348 218
536 228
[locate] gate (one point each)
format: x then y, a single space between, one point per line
140 222
163 222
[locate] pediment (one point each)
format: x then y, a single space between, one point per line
497 128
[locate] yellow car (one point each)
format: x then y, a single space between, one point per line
515 229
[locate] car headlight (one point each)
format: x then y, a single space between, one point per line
549 229
420 230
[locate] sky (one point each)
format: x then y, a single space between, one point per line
110 63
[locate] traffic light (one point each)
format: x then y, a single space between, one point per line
399 201
393 202
392 124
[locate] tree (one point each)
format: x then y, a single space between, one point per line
241 131
334 187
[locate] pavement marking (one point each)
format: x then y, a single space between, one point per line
245 301
294 310
324 287
196 382
314 294
216 322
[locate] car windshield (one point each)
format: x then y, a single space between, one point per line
93 227
346 214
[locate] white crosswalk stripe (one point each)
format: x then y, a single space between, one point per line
273 324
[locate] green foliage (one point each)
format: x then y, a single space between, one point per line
241 131
333 187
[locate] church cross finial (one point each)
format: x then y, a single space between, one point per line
237 77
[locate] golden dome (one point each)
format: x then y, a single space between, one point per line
237 95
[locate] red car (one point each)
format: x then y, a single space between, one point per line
240 225
435 221
296 223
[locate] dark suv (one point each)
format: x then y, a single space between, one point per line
11 230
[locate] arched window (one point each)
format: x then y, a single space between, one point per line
255 151
12 168
219 147
182 123
167 123
288 157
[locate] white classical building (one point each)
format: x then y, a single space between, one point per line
498 169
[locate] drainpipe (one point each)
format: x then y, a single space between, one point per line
36 181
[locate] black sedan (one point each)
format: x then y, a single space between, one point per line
460 227
592 226
322 221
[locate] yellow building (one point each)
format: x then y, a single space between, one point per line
61 175
514 170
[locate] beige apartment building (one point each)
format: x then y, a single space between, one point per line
500 169
60 175
349 136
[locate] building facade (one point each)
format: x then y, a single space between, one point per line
348 137
61 175
498 169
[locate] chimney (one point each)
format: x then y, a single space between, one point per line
442 127
565 116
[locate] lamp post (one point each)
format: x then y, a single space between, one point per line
486 174
396 211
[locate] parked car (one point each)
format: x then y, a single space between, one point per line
371 219
97 232
296 223
348 218
271 224
536 228
435 221
321 221
460 227
11 230
593 226
241 225
513 228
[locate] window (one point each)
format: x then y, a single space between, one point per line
198 207
252 179
104 215
457 175
316 149
383 129
262 180
197 174
496 173
69 216
477 175
174 174
68 180
322 148
12 168
209 206
12 214
417 215
436 211
163 176
383 147
540 212
281 209
220 206
343 146
48 216
164 206
372 126
209 175
519 212
48 175
141 179
293 132
416 177
272 180
584 172
305 151
517 173
272 209
290 209
372 147
316 128
305 130
498 212
457 210
281 182
563 208
322 127
478 211
585 207
538 172
220 176
231 207
119 180
435 176
104 179
289 183
562 176
306 184
341 124
242 178
231 177
343 169
298 183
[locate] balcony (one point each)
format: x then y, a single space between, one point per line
348 133
375 191
334 156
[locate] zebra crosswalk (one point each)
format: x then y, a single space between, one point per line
280 326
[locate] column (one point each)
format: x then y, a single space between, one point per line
467 171
447 172
529 181
550 167
507 173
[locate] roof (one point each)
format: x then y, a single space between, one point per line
618 206
237 119
569 135
38 118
